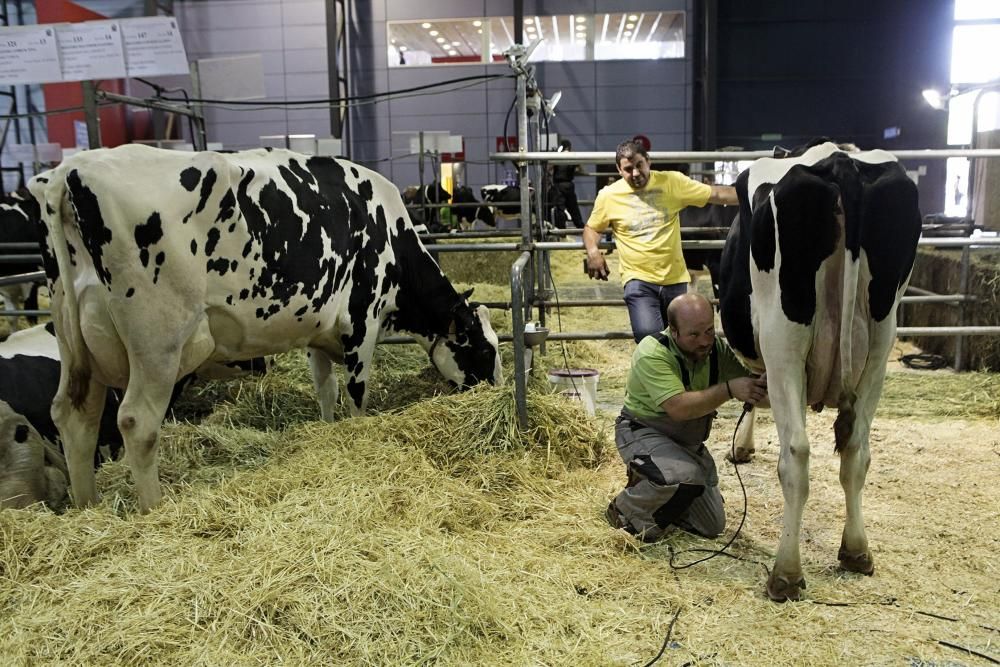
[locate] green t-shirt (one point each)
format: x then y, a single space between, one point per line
656 374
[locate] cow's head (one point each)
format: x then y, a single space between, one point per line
31 470
469 353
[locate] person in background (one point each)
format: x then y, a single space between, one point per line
562 181
641 211
677 380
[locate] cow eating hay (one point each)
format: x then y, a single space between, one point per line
160 262
812 273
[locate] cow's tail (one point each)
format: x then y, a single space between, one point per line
846 414
50 194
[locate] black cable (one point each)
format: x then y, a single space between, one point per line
666 640
722 552
506 119
33 114
351 98
924 361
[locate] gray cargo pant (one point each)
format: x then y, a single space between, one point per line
672 480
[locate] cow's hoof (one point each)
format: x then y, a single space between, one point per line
743 455
861 562
780 588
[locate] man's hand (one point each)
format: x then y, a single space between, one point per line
597 267
749 390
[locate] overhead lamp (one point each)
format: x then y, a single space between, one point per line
477 23
627 33
440 40
632 17
425 25
402 48
629 25
456 44
934 98
549 105
581 19
433 33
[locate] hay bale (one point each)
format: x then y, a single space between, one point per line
940 272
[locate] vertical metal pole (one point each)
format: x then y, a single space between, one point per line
522 177
90 114
517 323
540 195
200 138
963 289
420 165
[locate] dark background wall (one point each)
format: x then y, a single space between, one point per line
847 69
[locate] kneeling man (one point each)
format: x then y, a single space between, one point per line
677 380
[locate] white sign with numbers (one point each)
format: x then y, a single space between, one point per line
153 46
29 55
91 50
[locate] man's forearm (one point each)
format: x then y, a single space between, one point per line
590 241
725 195
695 404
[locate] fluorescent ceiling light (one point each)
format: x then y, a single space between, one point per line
652 28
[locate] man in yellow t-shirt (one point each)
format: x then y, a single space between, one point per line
641 210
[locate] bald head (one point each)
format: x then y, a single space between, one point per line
692 324
688 308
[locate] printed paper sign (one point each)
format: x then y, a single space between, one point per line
29 55
153 46
91 50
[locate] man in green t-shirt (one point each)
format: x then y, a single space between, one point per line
677 380
641 210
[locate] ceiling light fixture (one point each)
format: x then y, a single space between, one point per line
652 29
477 23
425 25
433 33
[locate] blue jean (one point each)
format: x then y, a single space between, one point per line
647 305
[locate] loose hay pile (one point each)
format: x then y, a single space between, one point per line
434 531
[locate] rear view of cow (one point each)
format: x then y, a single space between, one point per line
812 274
160 262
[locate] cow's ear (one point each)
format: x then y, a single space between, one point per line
467 293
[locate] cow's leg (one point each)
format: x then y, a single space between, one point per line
324 381
744 449
855 455
784 349
358 362
78 427
139 418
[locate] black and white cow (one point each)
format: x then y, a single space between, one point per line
430 217
29 379
160 262
35 469
467 211
812 274
19 224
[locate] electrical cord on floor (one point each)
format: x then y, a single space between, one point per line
924 361
666 640
747 407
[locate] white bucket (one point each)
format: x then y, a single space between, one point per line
578 384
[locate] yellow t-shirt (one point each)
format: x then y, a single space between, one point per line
646 224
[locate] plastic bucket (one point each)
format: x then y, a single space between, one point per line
578 384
